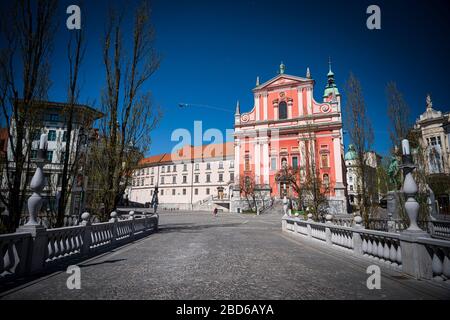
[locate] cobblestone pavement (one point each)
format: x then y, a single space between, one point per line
198 256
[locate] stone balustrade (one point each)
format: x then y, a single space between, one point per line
420 256
14 252
439 229
26 253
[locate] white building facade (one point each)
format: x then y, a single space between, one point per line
192 178
51 119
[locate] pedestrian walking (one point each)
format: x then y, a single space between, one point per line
215 212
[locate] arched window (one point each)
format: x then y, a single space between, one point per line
282 110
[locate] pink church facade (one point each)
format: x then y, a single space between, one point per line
287 126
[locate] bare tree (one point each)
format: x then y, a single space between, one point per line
361 134
27 30
247 185
130 114
291 176
398 112
75 53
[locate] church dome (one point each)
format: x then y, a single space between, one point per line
351 153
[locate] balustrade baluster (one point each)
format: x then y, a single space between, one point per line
386 251
369 246
380 251
364 246
436 265
399 255
446 265
9 256
2 255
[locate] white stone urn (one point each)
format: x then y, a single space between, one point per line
358 221
85 219
113 216
329 217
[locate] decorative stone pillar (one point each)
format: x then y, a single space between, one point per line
87 238
410 188
285 206
114 220
416 260
37 184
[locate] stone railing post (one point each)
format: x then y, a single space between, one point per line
308 226
37 249
131 217
416 260
146 222
87 236
114 220
357 240
329 219
38 245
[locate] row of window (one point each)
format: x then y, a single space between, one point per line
324 161
51 135
184 192
433 141
164 180
48 155
173 168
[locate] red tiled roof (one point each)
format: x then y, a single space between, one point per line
188 152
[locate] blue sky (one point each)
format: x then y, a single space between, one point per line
213 50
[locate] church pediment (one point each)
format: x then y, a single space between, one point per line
283 80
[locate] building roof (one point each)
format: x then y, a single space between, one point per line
189 152
60 105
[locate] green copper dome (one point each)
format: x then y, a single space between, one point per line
351 153
331 87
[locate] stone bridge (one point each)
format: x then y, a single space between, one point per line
231 256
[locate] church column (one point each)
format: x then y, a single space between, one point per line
337 159
302 149
339 188
257 161
265 106
257 107
289 106
300 101
309 100
275 110
236 160
266 161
